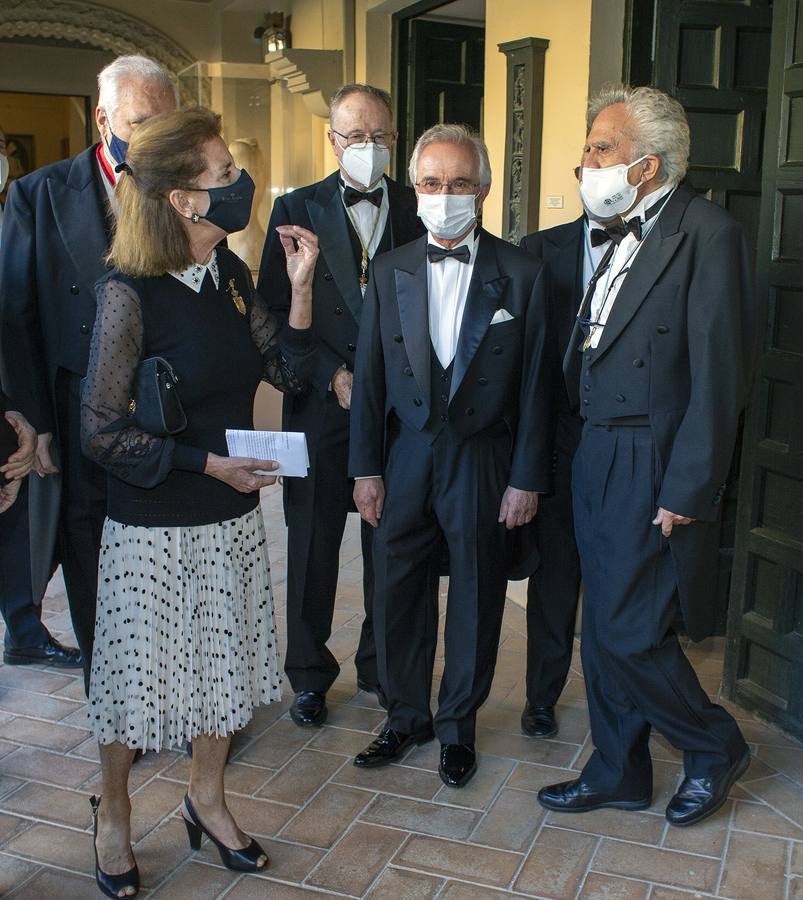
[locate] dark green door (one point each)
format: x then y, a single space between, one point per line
714 57
764 662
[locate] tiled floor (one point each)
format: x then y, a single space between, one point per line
395 833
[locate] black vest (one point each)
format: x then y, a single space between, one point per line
440 381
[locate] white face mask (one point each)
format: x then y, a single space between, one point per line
606 192
365 165
447 216
4 169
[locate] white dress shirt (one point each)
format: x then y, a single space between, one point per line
447 289
364 215
193 276
623 258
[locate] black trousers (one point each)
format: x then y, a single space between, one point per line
21 612
316 509
447 491
82 513
553 588
637 675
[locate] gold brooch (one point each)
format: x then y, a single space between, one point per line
236 297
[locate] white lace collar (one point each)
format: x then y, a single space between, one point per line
193 276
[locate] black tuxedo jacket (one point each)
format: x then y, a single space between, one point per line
336 297
500 372
54 240
680 346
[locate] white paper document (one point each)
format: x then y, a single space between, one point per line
288 448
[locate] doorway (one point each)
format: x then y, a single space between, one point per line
440 70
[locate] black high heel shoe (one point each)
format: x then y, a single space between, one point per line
111 885
244 860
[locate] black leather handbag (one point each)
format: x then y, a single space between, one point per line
156 406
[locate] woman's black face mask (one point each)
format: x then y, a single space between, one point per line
230 206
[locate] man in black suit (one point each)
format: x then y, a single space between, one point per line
659 367
552 592
357 212
55 235
449 442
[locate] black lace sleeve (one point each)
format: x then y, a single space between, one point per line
107 434
287 352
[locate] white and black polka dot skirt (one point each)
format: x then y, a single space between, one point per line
185 639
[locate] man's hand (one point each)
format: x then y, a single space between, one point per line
667 520
9 493
369 498
21 461
342 381
43 464
518 507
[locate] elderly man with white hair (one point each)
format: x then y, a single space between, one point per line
449 443
659 367
55 235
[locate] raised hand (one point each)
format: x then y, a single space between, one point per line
301 250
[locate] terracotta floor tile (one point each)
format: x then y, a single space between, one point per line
342 741
460 890
23 702
528 777
257 887
463 861
425 756
706 837
342 715
198 881
51 804
643 827
13 872
55 846
152 803
257 816
9 784
290 862
327 816
664 893
275 747
665 781
556 864
421 816
758 768
492 772
759 817
653 864
754 867
785 760
49 883
781 793
43 734
353 864
162 851
239 778
30 678
606 887
51 768
300 778
11 825
796 889
548 753
395 884
796 865
402 780
511 823
756 732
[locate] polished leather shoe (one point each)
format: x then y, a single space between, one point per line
539 721
389 745
577 796
371 688
458 763
698 798
309 709
51 652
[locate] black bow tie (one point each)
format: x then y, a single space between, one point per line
436 254
352 196
616 233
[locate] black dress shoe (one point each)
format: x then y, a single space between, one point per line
577 796
309 709
52 652
539 721
458 763
698 798
388 746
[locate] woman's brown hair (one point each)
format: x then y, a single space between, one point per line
165 153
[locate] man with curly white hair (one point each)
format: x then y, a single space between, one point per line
659 367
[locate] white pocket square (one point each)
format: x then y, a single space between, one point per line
501 315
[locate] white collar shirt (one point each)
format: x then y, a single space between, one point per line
369 221
447 289
624 256
193 276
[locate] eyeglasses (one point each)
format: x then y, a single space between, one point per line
458 186
359 139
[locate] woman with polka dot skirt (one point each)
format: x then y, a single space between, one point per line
185 640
